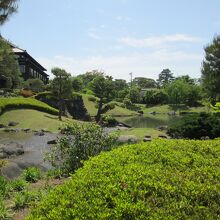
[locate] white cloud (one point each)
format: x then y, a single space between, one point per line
92 33
122 18
159 41
147 64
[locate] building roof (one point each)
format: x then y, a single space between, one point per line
18 50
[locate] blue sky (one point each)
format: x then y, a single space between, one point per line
116 36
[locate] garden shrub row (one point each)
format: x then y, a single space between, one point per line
27 103
196 126
163 179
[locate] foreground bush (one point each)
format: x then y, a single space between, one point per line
164 179
29 103
80 142
197 126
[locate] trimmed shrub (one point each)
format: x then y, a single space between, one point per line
163 179
27 103
196 126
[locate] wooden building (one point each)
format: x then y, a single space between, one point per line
29 67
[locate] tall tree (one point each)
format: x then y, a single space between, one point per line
61 87
9 68
102 86
7 8
144 83
211 69
165 77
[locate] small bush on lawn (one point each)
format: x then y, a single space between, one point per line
108 121
196 126
3 186
32 174
25 198
163 179
92 98
4 212
18 185
80 142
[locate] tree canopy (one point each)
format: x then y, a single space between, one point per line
9 68
7 8
61 86
165 77
102 86
211 69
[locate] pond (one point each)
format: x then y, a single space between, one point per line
149 121
34 148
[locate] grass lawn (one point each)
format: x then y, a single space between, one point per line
117 111
141 132
168 108
33 119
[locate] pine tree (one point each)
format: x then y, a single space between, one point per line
211 69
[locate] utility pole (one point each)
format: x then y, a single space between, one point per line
130 85
131 78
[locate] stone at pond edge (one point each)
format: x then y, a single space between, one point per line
2 126
10 149
26 130
162 136
12 130
52 142
39 133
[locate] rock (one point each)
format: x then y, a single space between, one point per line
172 113
147 139
162 136
39 133
12 130
52 142
129 139
12 123
26 130
2 126
162 127
205 138
10 149
140 112
147 136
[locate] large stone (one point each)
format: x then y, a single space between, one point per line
10 149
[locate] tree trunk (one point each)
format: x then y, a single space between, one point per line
98 116
60 110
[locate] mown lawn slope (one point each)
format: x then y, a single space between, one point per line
32 119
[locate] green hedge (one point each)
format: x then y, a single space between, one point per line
27 103
164 179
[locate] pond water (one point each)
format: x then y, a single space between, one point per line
34 147
149 121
